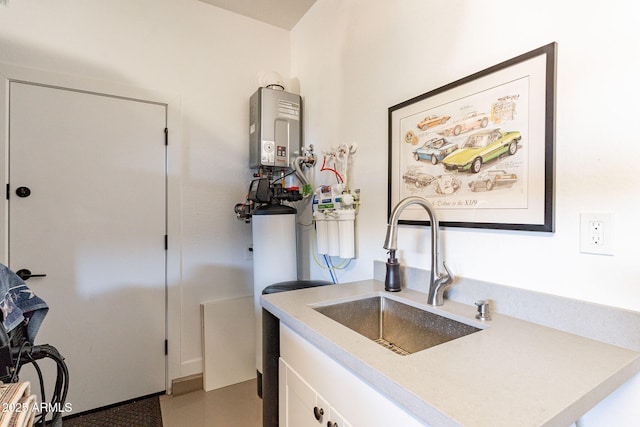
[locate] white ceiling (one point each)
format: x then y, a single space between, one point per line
281 13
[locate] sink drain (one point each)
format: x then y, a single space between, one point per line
391 346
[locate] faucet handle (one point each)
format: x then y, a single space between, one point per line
438 285
448 276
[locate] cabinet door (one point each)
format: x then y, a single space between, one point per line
303 407
335 419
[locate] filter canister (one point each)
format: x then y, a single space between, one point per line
322 233
346 226
333 234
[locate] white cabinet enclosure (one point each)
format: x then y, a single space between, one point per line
315 390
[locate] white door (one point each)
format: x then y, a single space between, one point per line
95 224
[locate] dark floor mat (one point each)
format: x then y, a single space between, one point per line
140 413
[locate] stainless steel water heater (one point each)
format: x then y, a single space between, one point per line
275 129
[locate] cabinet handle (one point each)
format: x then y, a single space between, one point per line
318 413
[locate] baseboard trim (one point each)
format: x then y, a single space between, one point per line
186 384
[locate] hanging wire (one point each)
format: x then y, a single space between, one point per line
283 176
337 174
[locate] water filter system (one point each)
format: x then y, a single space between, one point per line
335 208
277 208
334 218
274 256
276 151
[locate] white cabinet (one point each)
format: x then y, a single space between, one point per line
315 390
304 407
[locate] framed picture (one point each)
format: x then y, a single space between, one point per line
480 149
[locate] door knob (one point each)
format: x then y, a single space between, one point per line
25 274
23 191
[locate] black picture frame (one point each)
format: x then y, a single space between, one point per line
509 106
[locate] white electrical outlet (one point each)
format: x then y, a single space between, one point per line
596 233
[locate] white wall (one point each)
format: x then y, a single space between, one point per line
357 58
207 57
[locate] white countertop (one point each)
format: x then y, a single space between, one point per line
512 373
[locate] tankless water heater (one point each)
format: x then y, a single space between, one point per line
275 129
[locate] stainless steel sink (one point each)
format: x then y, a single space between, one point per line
399 327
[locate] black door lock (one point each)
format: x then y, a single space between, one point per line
23 191
25 274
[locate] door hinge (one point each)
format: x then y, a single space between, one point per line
166 242
166 136
166 347
7 191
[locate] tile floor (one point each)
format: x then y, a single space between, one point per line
237 405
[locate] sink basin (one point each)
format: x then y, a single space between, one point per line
402 328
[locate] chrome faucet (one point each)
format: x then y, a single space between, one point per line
438 281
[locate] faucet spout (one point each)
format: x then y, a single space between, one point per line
438 280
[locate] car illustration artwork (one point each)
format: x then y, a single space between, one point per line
435 149
496 178
480 148
446 184
417 178
410 138
432 120
469 121
504 109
